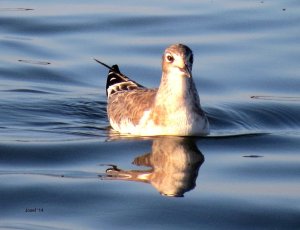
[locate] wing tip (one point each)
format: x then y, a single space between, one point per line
115 77
115 69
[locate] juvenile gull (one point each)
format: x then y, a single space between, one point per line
172 109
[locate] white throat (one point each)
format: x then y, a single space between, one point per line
176 89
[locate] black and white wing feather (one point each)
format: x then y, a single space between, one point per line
116 81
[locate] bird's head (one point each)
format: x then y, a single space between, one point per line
178 60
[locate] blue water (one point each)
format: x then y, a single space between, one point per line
61 165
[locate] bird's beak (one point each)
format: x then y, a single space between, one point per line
188 71
184 68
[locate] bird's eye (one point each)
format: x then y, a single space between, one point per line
170 58
191 59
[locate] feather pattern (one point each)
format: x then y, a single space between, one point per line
117 81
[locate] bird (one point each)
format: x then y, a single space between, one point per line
172 109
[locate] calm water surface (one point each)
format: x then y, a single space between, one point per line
62 167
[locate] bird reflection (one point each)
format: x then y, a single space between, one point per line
174 164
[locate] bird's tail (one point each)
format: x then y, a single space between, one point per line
116 81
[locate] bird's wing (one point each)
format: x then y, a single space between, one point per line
116 81
130 105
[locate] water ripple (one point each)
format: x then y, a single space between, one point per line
15 9
69 116
34 62
267 117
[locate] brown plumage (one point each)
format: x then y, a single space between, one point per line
134 103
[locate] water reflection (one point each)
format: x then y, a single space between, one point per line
174 164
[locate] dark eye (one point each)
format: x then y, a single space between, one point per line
191 59
169 58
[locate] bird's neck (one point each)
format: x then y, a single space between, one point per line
176 91
176 103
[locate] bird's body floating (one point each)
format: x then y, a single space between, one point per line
172 109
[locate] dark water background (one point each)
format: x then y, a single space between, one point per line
61 167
